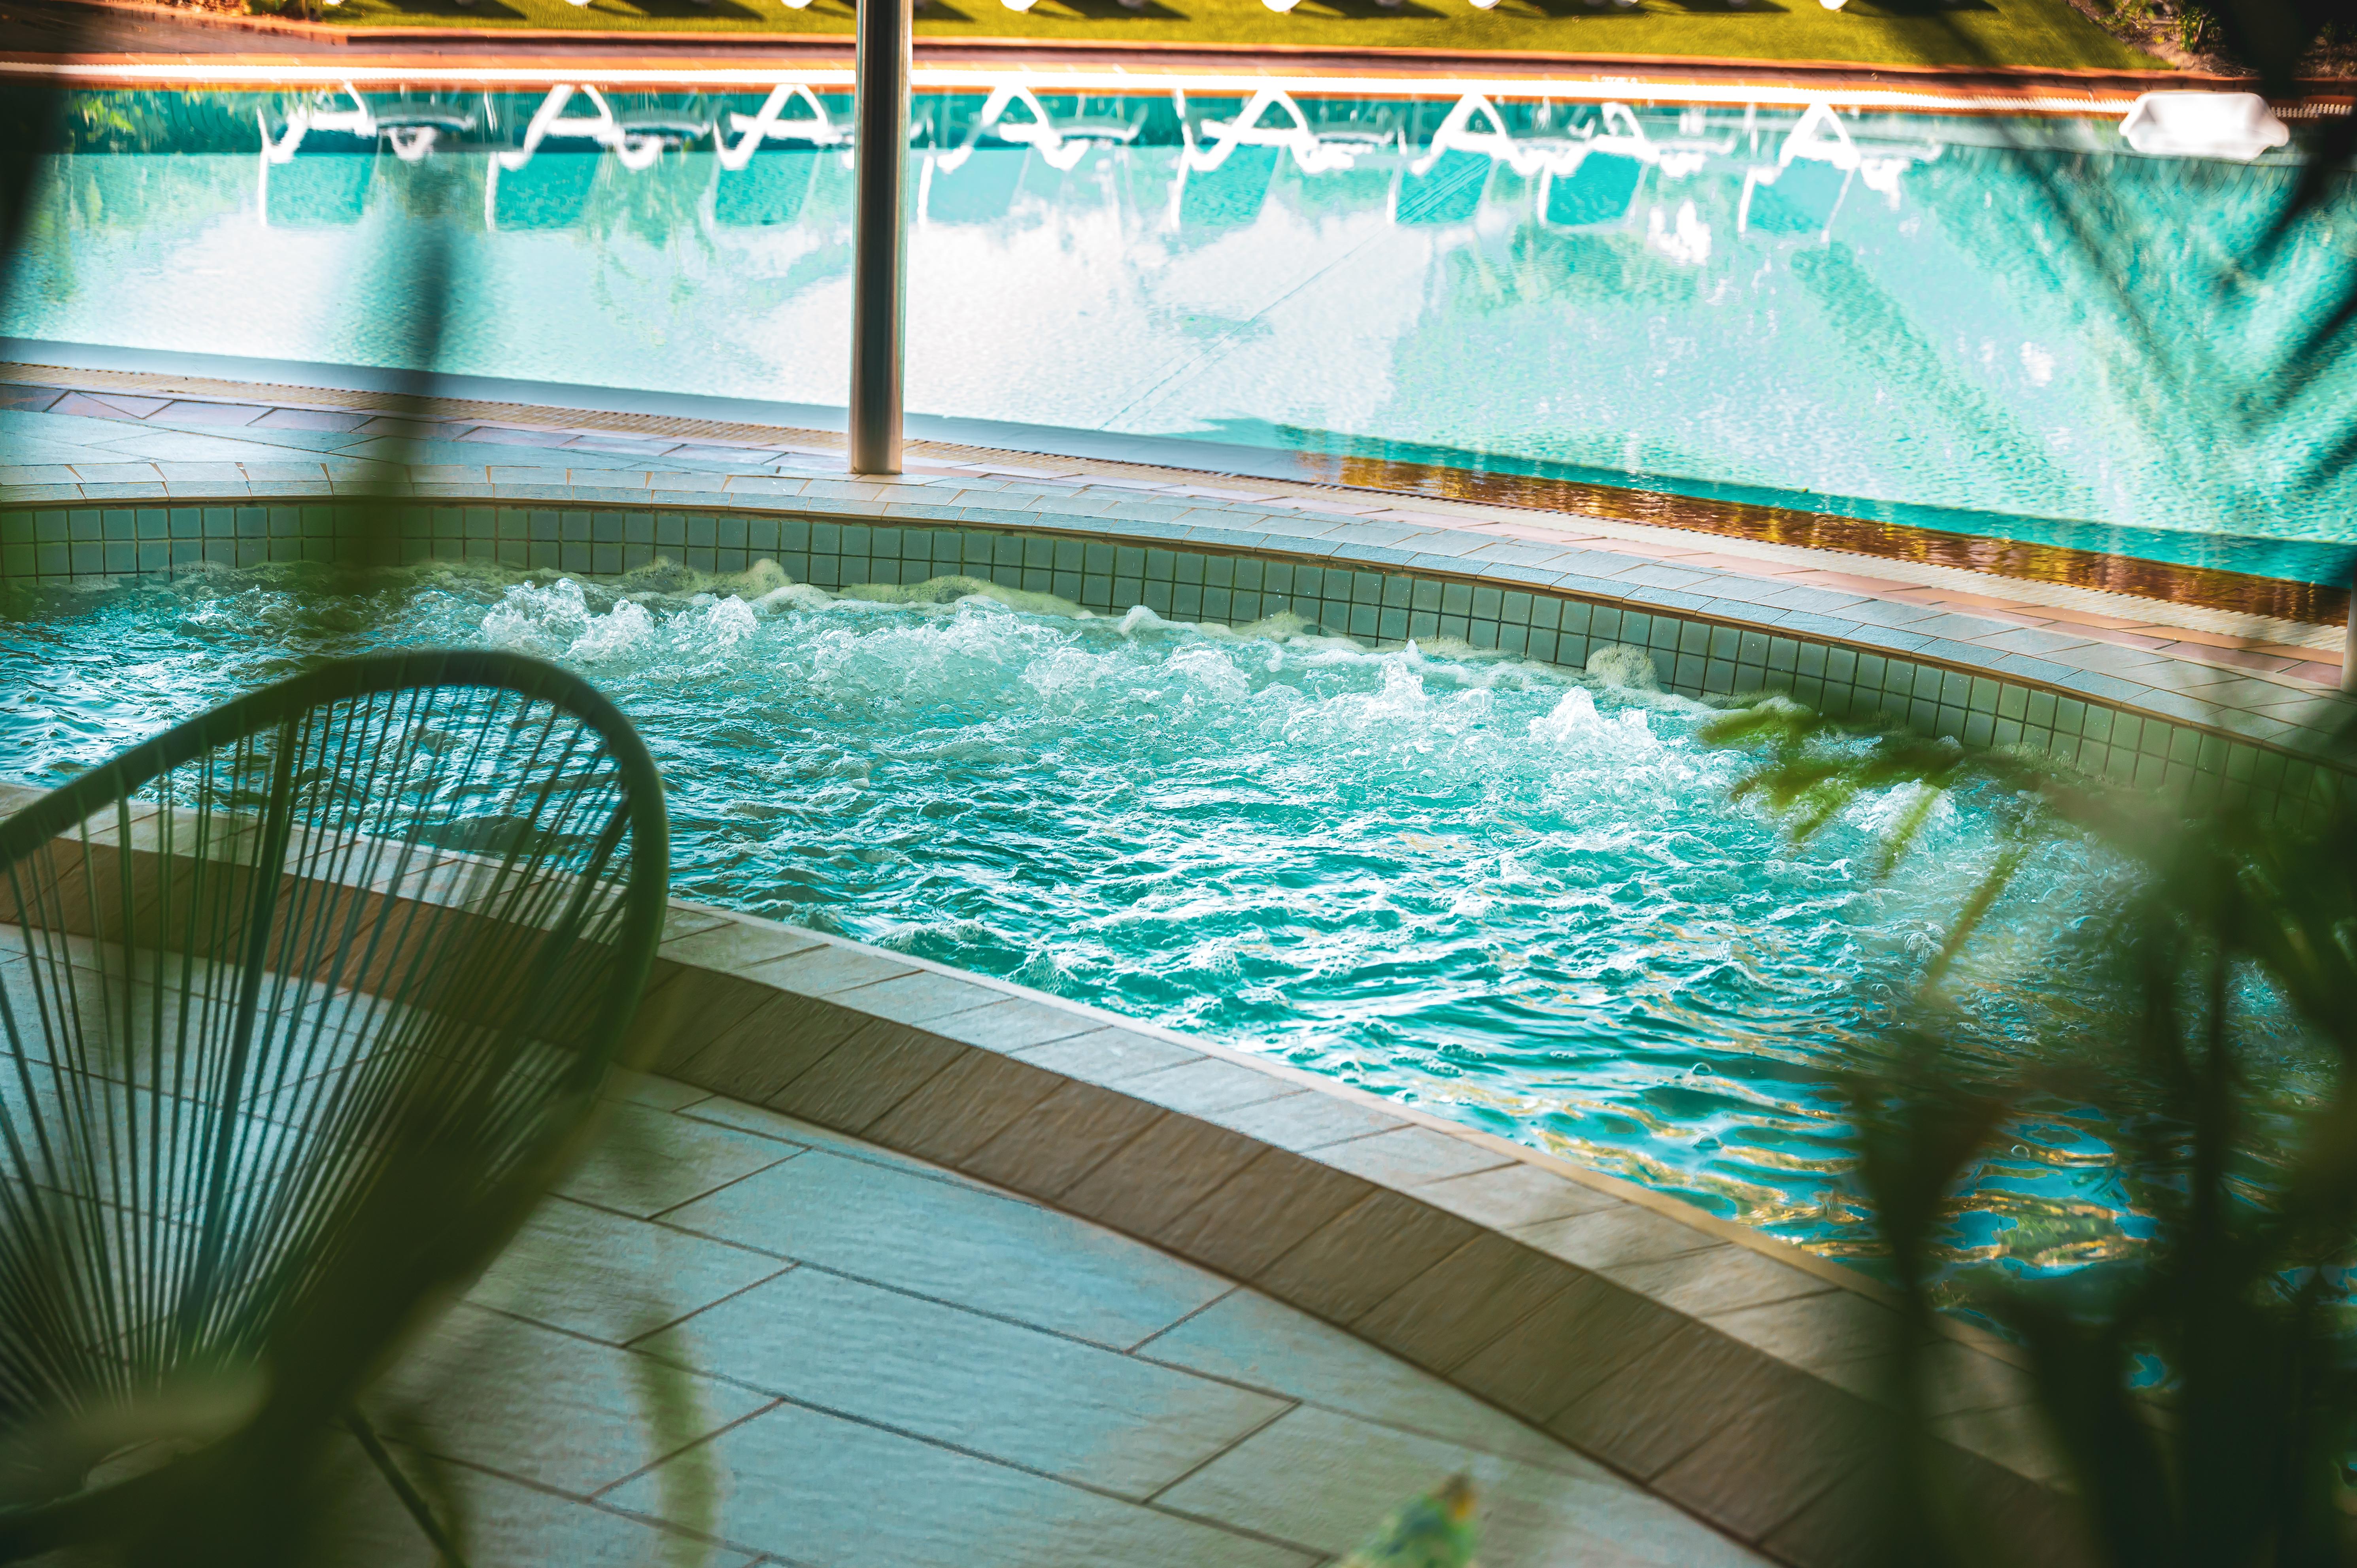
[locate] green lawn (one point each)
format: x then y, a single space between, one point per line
1979 32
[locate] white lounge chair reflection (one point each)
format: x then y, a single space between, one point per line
770 124
1461 129
554 197
1587 174
752 192
633 146
767 193
410 129
2235 125
1060 144
321 190
1223 180
1316 149
328 189
1444 184
1812 175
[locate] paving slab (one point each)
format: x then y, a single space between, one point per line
1247 1338
809 1416
545 1407
648 1163
611 1277
813 1487
952 1242
1314 1475
1041 1401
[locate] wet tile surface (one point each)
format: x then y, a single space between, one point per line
871 1364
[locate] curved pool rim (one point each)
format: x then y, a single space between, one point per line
2292 580
1731 1371
1728 1371
2130 726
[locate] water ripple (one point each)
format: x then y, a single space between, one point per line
1501 893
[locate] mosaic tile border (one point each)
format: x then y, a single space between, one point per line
1693 656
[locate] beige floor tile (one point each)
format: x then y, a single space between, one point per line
544 1406
2016 1437
1263 1211
1363 1254
965 1105
1268 1345
1107 1055
1816 1331
776 1124
1016 1024
1061 1139
502 1524
1514 1196
1207 1084
591 1273
958 1244
923 994
1033 1399
1723 1278
1307 1121
1590 1332
815 1489
736 945
872 1068
1627 1234
1325 1480
1145 1186
1409 1157
1440 1318
654 1092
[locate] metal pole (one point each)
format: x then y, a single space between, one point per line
881 238
2349 646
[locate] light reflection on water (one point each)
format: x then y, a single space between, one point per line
1511 896
1970 323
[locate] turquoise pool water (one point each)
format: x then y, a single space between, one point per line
1510 895
1980 325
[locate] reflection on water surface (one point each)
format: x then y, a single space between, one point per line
1969 324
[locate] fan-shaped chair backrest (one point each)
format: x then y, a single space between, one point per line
384 923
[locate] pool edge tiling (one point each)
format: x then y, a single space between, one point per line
1734 1375
2133 718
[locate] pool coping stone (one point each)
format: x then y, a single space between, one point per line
1719 1367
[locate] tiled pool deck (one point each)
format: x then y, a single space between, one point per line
71 438
1726 1372
1740 1379
896 1366
100 444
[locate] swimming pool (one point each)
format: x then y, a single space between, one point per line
1511 895
1980 325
